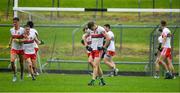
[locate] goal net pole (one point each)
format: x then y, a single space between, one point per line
15 6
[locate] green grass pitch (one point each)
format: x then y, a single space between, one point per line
78 83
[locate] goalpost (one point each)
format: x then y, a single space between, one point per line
17 9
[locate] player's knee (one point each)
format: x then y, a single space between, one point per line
90 61
30 64
12 63
12 60
157 63
106 62
95 66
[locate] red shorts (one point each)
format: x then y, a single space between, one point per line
36 50
96 53
31 56
166 52
110 53
18 52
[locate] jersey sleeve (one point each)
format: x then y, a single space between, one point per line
102 30
11 31
36 31
88 31
165 32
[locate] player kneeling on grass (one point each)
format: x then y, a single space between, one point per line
97 34
110 52
28 47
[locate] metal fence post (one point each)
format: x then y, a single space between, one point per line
150 53
139 6
153 5
121 37
7 11
172 44
73 37
102 6
170 4
30 17
58 5
52 6
95 13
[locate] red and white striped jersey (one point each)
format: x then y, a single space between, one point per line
17 34
28 45
97 37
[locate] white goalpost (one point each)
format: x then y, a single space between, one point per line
16 9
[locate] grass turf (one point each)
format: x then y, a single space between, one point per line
78 83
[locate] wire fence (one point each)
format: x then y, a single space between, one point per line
63 50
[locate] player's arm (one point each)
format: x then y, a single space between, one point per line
37 41
37 35
10 42
165 38
108 39
84 42
20 40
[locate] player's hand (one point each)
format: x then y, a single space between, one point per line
155 54
102 48
8 46
82 42
88 48
41 42
16 40
160 47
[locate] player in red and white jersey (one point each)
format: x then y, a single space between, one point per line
16 48
157 62
28 47
166 52
33 30
98 34
110 51
86 41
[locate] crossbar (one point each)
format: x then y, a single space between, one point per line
93 9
